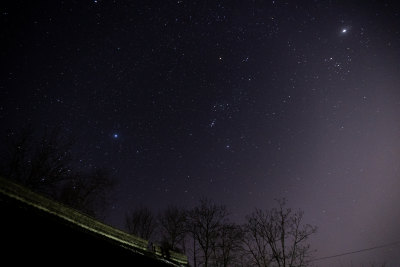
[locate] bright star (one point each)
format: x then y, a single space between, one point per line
345 30
212 124
115 135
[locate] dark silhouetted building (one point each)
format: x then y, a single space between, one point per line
38 230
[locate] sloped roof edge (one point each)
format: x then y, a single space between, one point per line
75 217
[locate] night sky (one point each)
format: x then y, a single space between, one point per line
238 101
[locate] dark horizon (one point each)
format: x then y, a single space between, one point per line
241 103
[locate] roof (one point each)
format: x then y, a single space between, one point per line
85 222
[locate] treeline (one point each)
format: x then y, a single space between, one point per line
275 237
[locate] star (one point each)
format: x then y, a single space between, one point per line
115 136
344 30
212 124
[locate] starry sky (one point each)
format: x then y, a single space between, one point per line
238 101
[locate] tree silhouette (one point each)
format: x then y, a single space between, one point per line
226 251
277 237
38 163
172 223
44 164
205 222
141 222
88 192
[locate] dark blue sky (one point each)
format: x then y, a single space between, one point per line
238 101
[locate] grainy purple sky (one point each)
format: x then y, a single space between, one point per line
240 101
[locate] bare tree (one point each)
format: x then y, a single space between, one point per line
204 223
38 164
141 222
88 192
192 246
172 224
277 237
44 164
255 244
228 245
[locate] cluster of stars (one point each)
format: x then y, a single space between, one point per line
240 92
